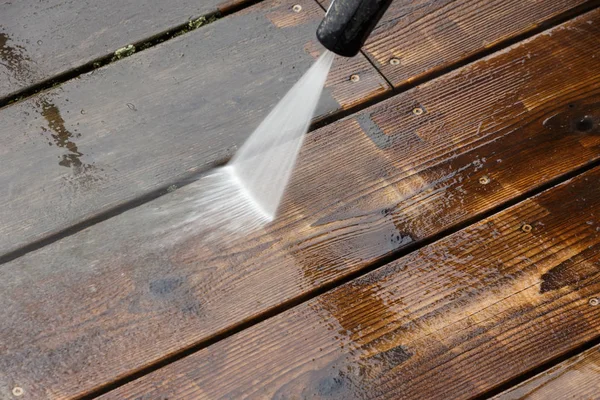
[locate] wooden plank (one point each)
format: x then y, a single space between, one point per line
39 40
97 298
577 378
156 117
449 321
428 36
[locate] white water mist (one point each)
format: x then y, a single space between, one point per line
264 164
243 196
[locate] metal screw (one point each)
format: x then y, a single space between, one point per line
526 228
418 111
355 78
484 180
297 8
594 301
17 391
395 61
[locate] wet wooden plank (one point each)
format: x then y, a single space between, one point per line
424 36
172 274
156 117
39 40
449 321
578 378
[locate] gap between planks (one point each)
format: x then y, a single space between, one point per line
539 370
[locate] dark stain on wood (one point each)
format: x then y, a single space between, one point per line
373 131
572 271
14 58
577 117
62 137
165 286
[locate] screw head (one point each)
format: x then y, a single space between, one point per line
526 228
594 301
17 391
355 78
418 111
484 180
297 8
394 61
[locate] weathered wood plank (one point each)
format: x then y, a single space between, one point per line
155 117
39 40
364 188
449 321
419 37
578 378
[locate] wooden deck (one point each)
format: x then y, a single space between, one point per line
440 237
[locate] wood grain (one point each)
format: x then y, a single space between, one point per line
578 378
82 312
427 36
39 40
156 117
449 321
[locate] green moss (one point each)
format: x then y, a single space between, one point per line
123 52
196 23
15 100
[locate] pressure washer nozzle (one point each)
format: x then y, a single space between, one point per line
348 24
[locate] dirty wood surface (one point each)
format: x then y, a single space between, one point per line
42 39
419 37
365 188
578 378
449 321
152 119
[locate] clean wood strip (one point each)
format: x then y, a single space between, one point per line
578 378
449 321
112 299
41 39
419 37
156 117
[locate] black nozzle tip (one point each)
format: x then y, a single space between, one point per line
348 24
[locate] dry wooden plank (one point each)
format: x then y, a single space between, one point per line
152 119
449 321
577 378
81 312
39 40
419 37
